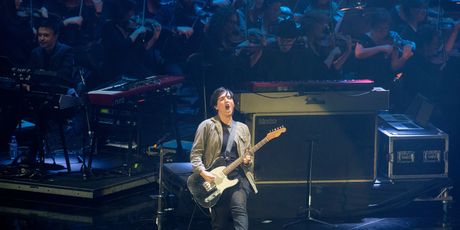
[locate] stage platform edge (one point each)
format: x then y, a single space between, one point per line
73 185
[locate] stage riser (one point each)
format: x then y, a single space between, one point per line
79 189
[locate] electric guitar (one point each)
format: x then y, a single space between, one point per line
206 193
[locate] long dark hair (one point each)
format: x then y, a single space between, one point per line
218 23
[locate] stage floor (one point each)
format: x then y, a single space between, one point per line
138 211
110 203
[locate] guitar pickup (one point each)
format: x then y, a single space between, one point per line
208 186
212 196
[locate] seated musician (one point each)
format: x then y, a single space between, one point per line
17 34
182 33
56 58
52 55
124 49
80 25
79 20
438 82
221 39
325 55
376 56
325 7
412 14
422 74
17 42
261 14
252 50
286 59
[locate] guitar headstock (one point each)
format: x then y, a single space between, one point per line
276 132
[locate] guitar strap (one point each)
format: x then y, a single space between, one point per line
230 139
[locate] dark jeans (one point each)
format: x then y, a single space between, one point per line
231 207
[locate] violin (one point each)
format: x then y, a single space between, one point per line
150 25
397 42
25 12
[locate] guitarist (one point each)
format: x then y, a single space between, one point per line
211 142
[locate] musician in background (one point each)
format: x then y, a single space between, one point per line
439 85
17 42
261 14
325 7
271 14
284 60
253 17
326 57
52 55
79 20
126 49
211 142
182 33
412 14
421 74
219 46
377 57
17 34
252 49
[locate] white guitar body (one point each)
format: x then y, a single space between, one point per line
222 182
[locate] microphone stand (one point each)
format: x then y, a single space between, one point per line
86 163
160 196
310 181
309 201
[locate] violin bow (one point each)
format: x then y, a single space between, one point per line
31 14
81 8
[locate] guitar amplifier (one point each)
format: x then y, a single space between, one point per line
313 102
411 154
341 146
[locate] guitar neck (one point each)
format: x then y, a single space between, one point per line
238 161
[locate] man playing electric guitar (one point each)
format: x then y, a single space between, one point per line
220 139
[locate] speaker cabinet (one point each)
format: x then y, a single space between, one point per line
341 147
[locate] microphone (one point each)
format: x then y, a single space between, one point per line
160 141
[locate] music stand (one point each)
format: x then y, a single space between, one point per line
309 201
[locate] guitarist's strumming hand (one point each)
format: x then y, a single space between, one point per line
207 176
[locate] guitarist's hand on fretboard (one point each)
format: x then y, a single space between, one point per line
207 176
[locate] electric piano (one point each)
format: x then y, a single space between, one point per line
310 86
126 90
